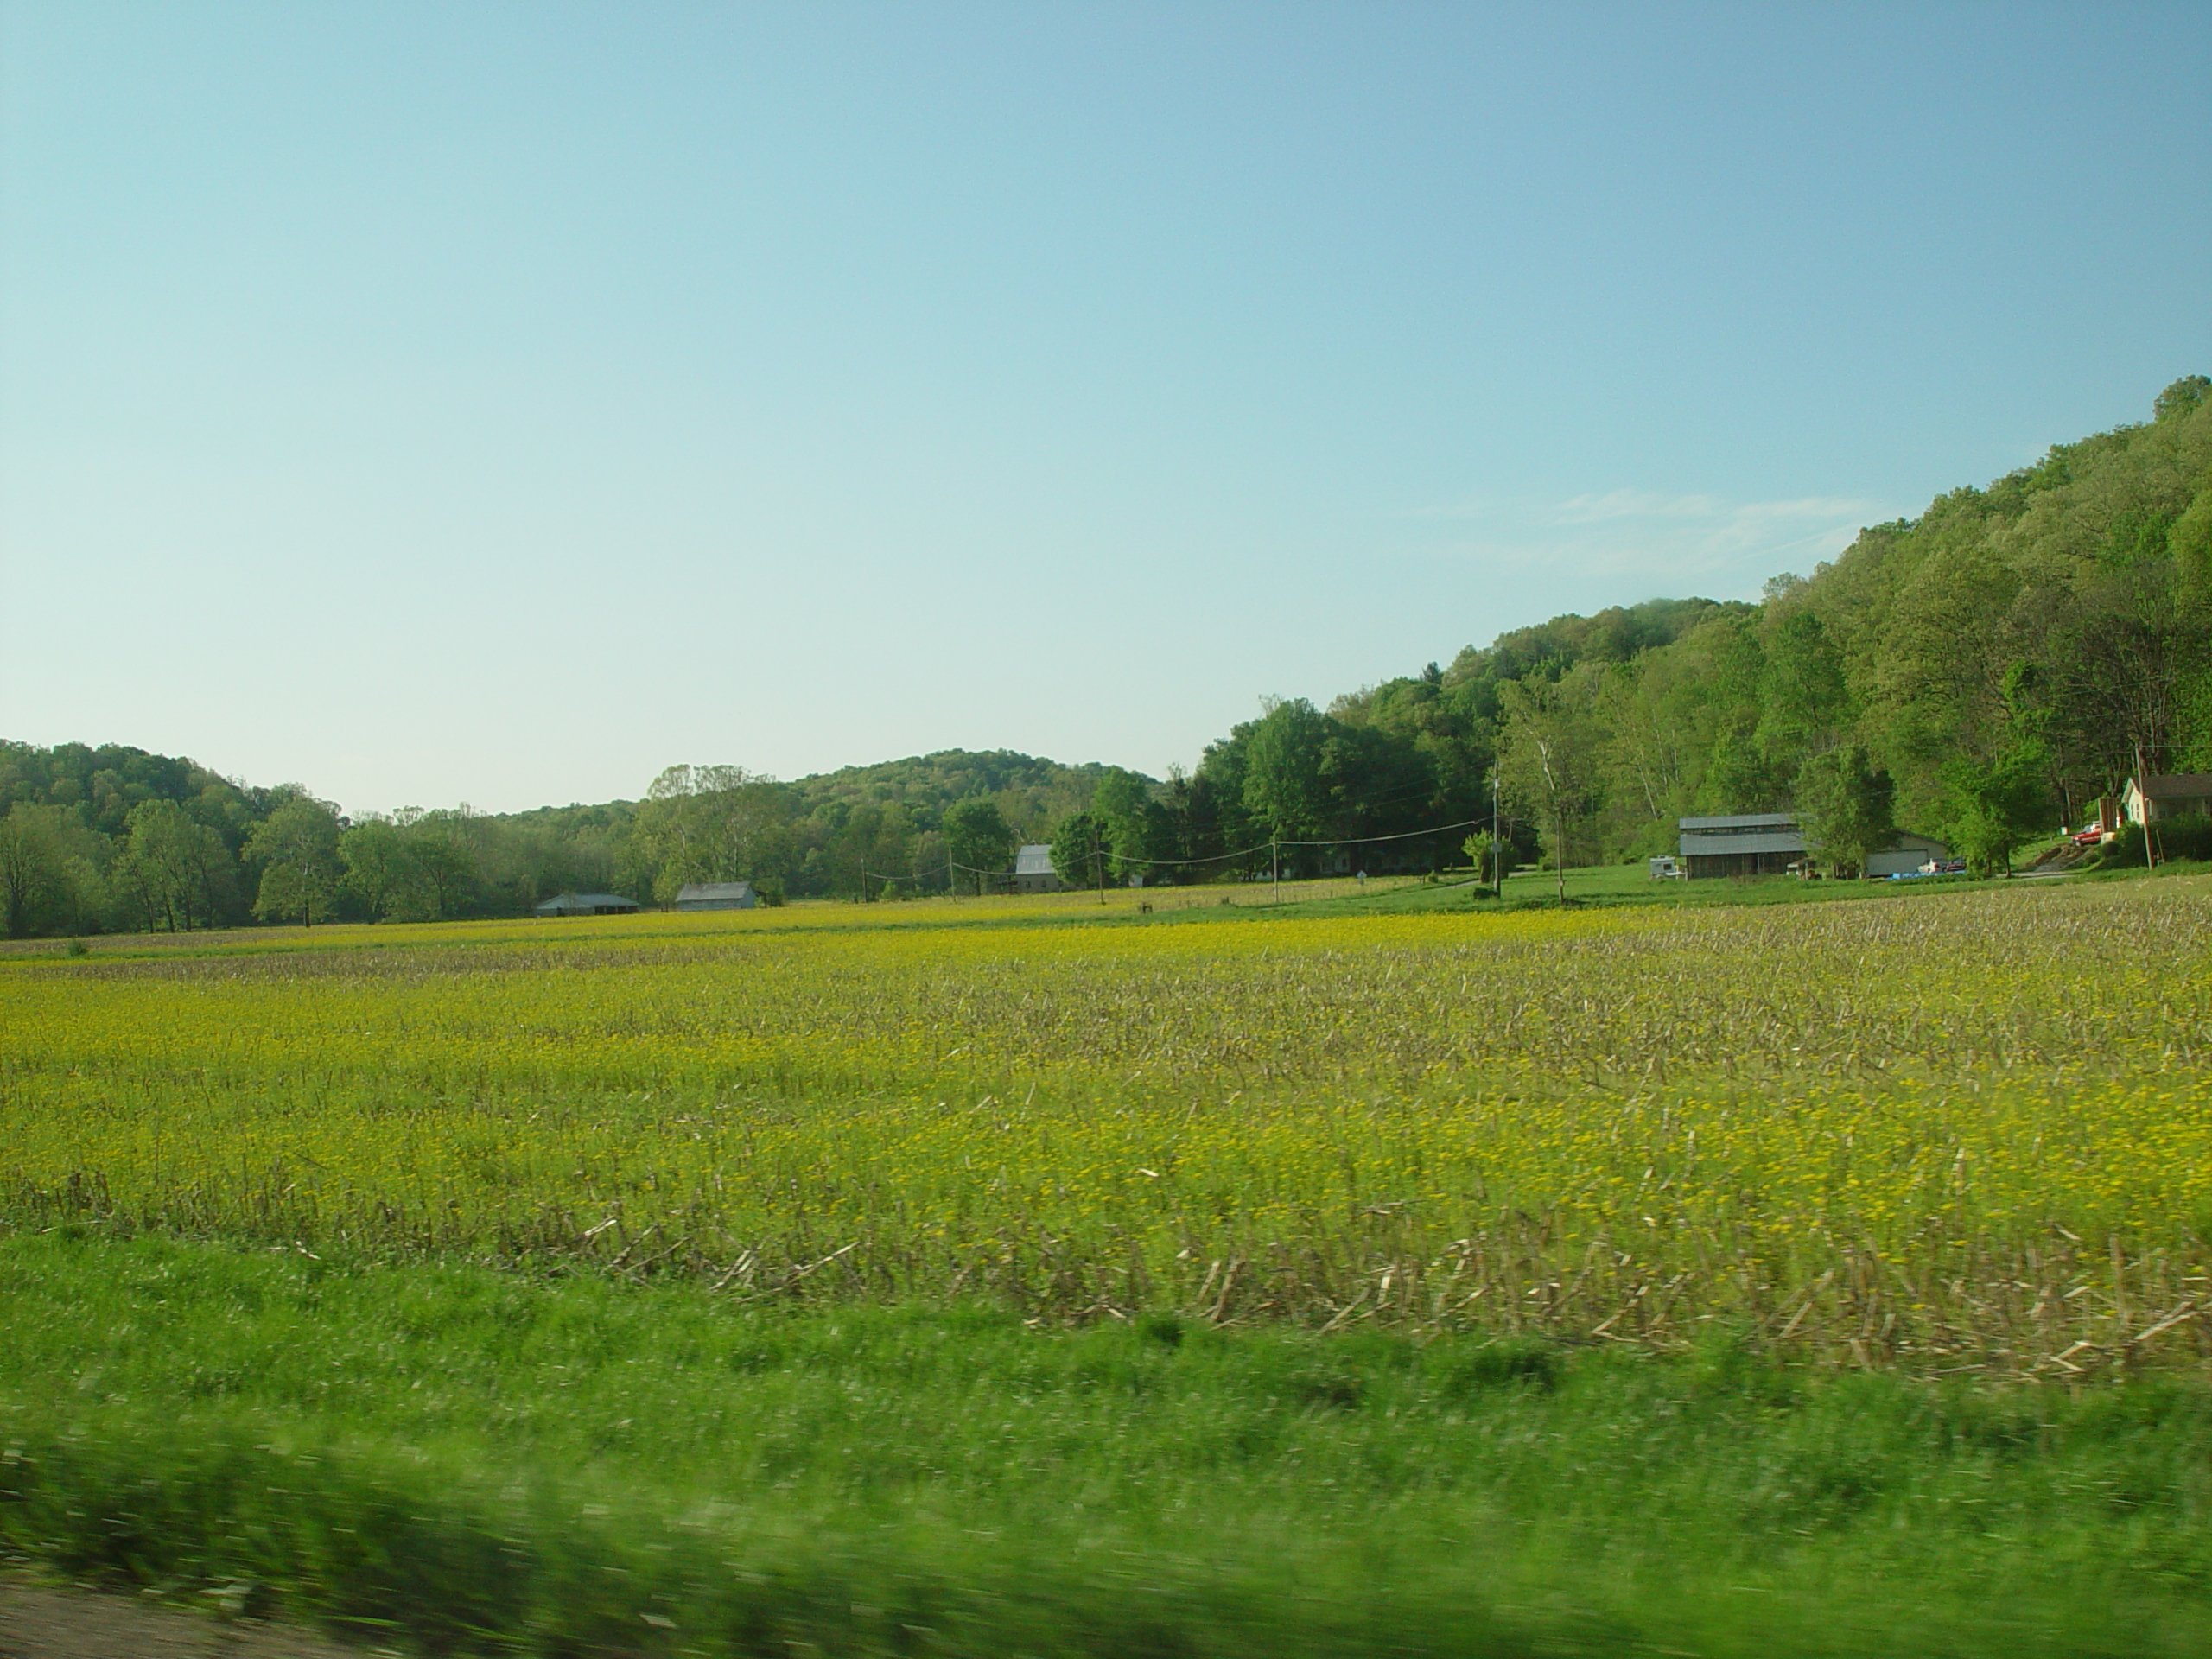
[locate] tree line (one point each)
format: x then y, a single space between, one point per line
114 839
1981 673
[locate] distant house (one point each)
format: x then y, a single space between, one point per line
589 904
1033 871
1768 843
2156 799
716 895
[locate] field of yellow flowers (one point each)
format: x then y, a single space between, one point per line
1968 1131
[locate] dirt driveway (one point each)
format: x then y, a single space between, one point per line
42 1622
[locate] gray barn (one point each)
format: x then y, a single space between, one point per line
1746 843
589 904
716 895
1033 871
1768 843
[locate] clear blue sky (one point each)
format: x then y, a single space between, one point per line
503 401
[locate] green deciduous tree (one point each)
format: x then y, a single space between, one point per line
1283 791
1481 849
1137 829
1996 806
1804 704
867 848
176 871
714 823
1079 851
1844 807
1550 757
34 868
446 868
379 874
979 841
297 849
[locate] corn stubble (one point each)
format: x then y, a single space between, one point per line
1965 1132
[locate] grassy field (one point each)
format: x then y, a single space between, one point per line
1389 1271
1971 1129
455 1458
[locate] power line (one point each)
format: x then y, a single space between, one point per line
1345 840
1210 858
1407 835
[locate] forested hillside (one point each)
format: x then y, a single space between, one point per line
1980 672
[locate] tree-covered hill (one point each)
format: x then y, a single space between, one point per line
102 785
1983 671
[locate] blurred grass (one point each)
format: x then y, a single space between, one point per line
475 1462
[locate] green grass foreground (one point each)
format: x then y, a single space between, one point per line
460 1459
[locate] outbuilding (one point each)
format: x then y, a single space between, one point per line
1743 843
589 904
716 895
1911 854
1769 843
1033 871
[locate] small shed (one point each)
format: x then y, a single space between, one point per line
1033 871
2155 798
589 904
716 895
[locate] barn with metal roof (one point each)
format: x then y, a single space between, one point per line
589 904
716 895
1768 843
1745 844
1033 871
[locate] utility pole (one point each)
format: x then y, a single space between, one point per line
1275 864
2150 862
1097 863
1496 855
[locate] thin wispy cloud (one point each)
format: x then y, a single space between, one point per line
1666 542
1633 504
1616 504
